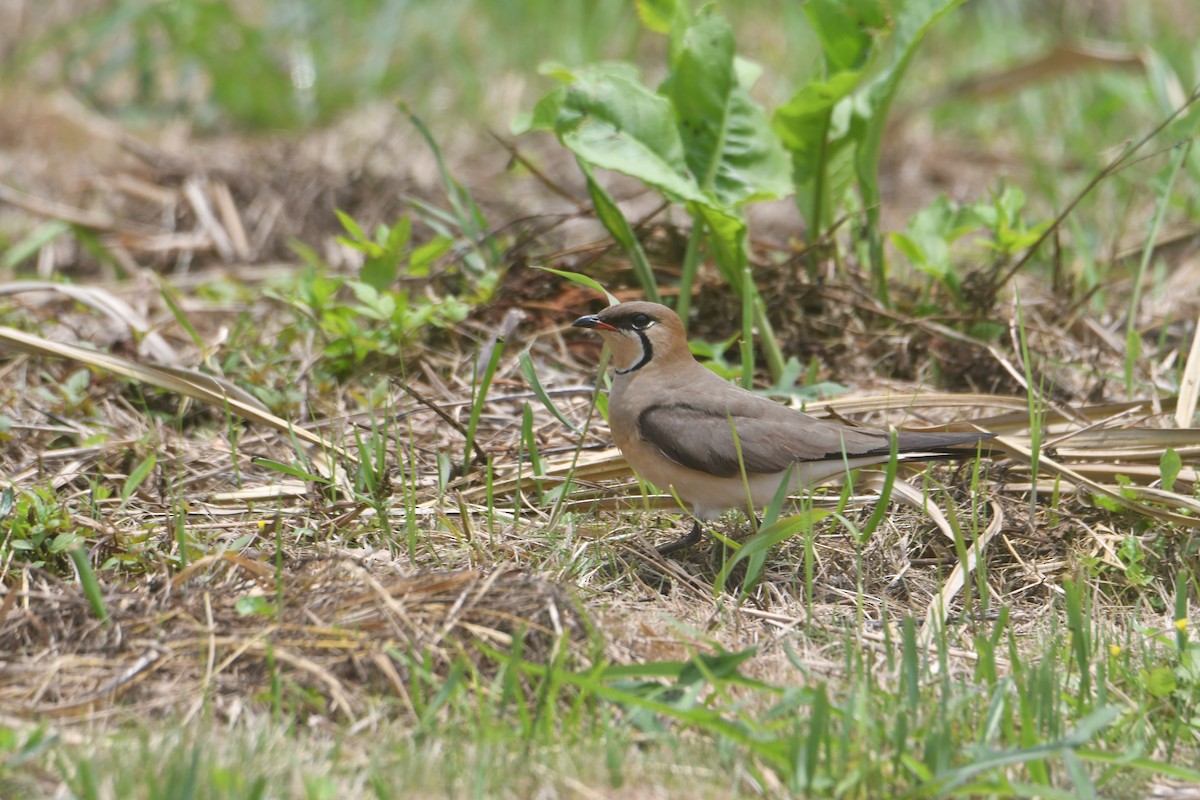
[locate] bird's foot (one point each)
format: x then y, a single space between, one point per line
683 542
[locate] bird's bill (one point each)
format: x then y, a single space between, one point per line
592 321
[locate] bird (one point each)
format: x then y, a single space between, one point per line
674 419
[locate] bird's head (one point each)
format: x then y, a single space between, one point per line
640 334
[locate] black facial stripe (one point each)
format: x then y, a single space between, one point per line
647 354
630 322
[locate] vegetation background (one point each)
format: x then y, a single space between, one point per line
306 489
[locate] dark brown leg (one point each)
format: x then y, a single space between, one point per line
684 541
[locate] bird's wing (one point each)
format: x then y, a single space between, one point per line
771 437
700 437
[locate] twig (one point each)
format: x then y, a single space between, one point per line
480 453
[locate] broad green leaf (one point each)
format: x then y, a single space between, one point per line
610 120
728 242
351 225
379 273
811 126
424 256
845 30
254 605
813 123
909 248
728 143
544 115
1159 682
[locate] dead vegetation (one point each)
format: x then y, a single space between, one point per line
340 626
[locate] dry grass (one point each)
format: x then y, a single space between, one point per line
172 647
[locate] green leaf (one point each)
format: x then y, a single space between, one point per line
137 476
33 242
986 761
427 254
814 123
812 126
399 236
1159 682
254 605
375 304
870 118
657 15
728 143
7 502
89 584
910 249
768 537
545 111
378 273
582 280
845 30
722 665
1169 467
288 469
610 120
728 242
620 229
531 377
351 226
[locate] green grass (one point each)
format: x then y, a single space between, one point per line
1074 711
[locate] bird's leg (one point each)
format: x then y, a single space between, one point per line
683 542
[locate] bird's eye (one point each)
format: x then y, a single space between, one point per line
642 321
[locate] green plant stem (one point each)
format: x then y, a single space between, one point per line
748 314
770 345
691 263
1133 341
480 398
818 199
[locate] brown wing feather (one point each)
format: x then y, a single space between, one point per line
772 437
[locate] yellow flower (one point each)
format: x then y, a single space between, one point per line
1114 650
1181 624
